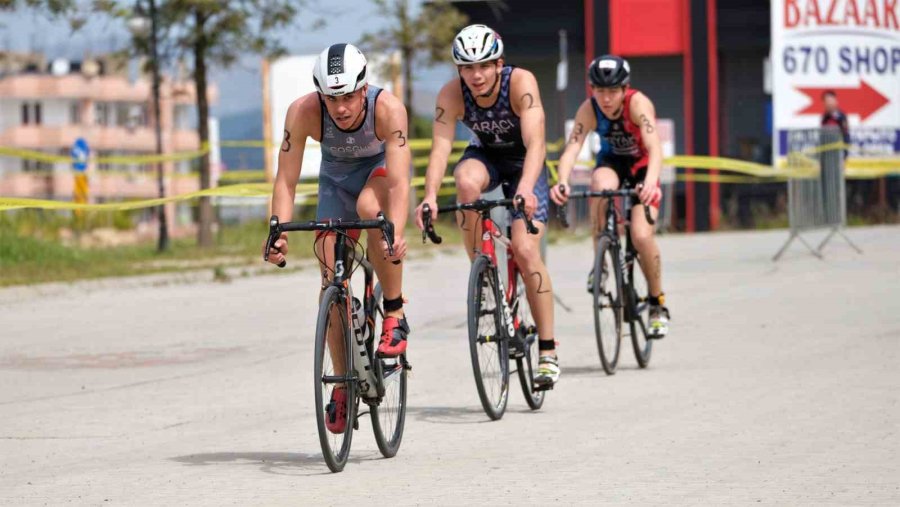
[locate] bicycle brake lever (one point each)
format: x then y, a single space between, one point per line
274 233
387 232
648 216
520 207
561 211
428 229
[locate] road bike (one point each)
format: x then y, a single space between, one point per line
500 322
345 335
618 287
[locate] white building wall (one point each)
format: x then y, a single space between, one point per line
10 113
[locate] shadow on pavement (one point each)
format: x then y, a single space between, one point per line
280 463
595 371
449 415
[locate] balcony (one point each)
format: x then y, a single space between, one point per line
54 139
101 88
107 186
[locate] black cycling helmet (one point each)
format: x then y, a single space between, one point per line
609 71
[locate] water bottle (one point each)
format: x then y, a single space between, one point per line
360 329
361 362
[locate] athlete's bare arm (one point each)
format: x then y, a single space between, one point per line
303 120
643 114
585 123
391 125
525 98
450 108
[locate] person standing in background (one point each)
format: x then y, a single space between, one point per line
833 116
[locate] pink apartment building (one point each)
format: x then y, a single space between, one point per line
47 107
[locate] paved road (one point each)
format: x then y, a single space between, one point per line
778 384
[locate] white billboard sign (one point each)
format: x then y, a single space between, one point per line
851 47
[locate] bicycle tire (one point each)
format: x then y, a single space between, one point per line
390 413
335 460
639 314
491 344
607 299
527 365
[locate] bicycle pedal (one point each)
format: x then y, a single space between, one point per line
540 388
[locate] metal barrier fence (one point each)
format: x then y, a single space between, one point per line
816 190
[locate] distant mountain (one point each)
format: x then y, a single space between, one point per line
243 126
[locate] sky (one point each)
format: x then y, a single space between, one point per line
239 86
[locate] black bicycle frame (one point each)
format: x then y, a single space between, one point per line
610 229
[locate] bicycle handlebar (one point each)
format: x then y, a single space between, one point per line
276 228
625 192
517 203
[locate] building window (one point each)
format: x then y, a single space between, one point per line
101 113
185 117
130 115
31 113
104 166
75 113
36 166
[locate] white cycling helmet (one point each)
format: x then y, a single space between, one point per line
339 70
476 44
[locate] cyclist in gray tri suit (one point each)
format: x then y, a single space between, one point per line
362 130
502 106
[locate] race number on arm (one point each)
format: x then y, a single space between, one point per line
526 103
391 125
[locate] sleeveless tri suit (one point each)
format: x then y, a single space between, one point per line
499 146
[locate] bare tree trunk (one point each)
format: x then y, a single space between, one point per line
204 231
408 90
407 52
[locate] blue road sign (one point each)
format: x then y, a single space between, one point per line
80 152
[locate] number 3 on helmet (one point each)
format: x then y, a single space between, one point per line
339 70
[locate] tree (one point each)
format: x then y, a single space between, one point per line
201 32
217 32
423 38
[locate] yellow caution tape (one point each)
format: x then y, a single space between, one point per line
33 155
305 190
796 165
246 190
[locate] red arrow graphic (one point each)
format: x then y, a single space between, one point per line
863 100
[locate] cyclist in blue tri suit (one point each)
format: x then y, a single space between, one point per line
502 106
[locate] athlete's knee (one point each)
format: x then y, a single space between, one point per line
527 252
468 188
367 206
470 181
604 179
642 235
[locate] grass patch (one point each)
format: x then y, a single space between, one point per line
32 250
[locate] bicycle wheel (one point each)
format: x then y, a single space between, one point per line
389 416
527 365
639 314
607 304
328 354
487 341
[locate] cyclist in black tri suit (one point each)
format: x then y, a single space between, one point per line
502 106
